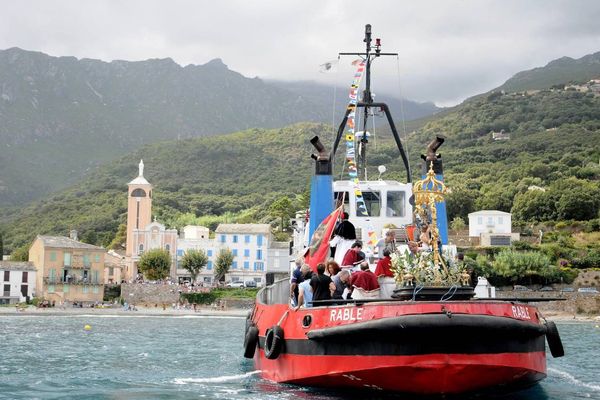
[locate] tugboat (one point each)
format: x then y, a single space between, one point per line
430 337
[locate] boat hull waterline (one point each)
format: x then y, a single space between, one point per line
411 347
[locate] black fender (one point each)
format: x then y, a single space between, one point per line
250 341
554 342
274 342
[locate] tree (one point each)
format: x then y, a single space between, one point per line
193 261
282 208
222 264
120 239
20 253
457 224
155 264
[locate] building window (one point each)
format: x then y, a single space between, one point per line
259 266
6 276
168 247
235 239
259 240
52 256
25 276
234 252
479 220
259 254
247 239
67 259
52 275
209 265
96 276
500 220
490 220
222 238
246 264
111 271
96 289
234 265
209 253
97 258
179 252
85 289
86 260
141 249
258 280
50 288
65 288
6 290
246 252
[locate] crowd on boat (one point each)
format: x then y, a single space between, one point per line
347 273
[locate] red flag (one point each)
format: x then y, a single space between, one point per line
319 243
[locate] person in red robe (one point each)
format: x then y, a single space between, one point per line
364 278
353 256
384 265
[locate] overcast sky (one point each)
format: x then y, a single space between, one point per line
448 50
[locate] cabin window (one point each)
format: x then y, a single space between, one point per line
373 203
342 196
395 204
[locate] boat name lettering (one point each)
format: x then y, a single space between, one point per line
520 312
346 314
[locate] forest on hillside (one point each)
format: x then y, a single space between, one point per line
549 170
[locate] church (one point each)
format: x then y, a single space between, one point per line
255 252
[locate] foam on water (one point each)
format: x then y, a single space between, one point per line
570 378
216 379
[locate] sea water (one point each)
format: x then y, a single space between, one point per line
194 357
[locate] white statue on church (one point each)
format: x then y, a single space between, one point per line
141 168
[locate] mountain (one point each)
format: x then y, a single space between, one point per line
557 72
319 93
61 117
553 145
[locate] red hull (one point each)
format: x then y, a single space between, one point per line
397 365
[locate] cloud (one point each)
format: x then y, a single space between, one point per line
448 50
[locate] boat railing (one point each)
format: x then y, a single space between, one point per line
277 293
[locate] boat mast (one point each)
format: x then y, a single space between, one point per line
367 103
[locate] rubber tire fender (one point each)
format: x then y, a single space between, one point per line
250 341
554 342
274 342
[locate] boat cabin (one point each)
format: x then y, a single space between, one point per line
387 203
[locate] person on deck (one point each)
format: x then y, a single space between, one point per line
340 280
364 278
387 242
296 280
344 235
384 265
354 256
332 268
305 291
321 284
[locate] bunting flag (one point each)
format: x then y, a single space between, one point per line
318 249
361 208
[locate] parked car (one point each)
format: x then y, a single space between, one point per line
235 284
250 284
567 289
547 289
588 290
520 288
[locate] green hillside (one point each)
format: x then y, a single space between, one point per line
560 71
548 170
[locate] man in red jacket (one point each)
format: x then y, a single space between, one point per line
353 256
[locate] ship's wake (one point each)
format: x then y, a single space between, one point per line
216 379
571 379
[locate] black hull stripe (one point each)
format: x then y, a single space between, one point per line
428 344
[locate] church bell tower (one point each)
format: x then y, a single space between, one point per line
139 215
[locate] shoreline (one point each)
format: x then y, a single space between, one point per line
107 312
211 312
